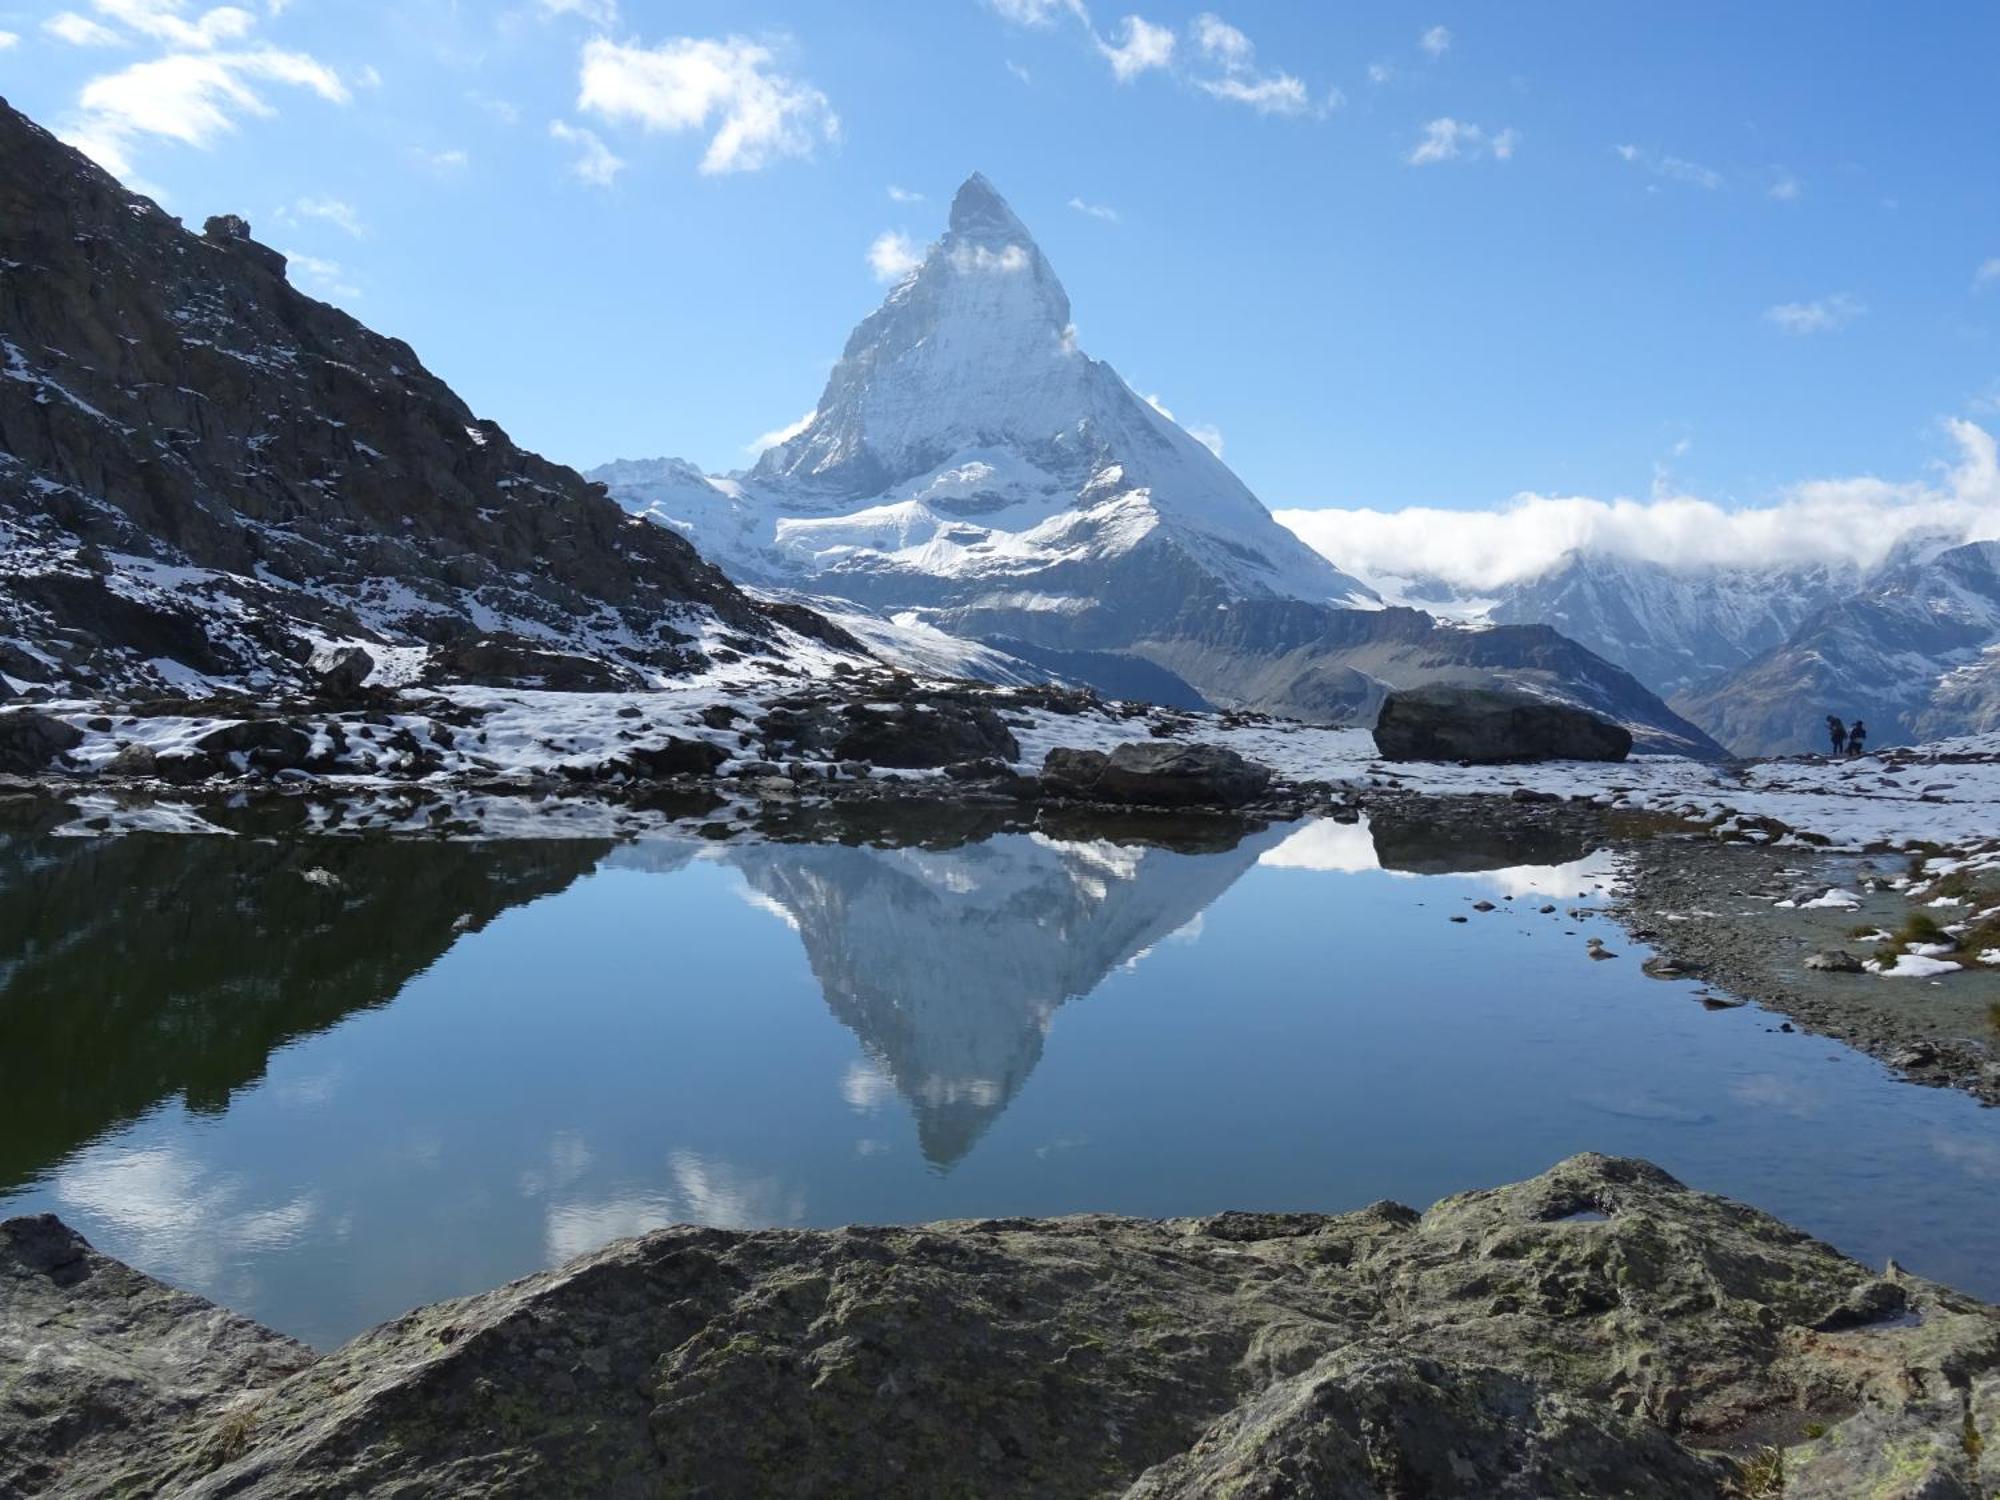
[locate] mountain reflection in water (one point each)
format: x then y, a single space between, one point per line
322 1079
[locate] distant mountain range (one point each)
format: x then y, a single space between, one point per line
1759 656
969 468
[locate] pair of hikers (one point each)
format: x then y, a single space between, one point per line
1846 741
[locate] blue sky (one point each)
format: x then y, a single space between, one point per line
1717 248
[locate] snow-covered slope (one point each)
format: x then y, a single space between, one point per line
969 466
1915 653
1672 629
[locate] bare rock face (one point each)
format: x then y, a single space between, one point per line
1599 1330
1156 773
1492 728
30 740
203 470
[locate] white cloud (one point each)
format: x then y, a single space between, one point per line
771 440
445 163
9 39
1446 139
1827 315
1675 168
1988 273
190 97
597 12
1786 189
1240 83
973 260
1208 435
329 210
689 83
1021 73
1436 41
1280 94
1380 72
503 110
81 31
1222 42
595 163
1856 520
1145 47
1038 12
903 195
1096 210
893 255
167 21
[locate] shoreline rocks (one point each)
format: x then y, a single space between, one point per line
1599 1329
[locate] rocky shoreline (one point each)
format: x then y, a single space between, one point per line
1714 913
1598 1330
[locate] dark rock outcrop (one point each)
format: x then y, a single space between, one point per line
1155 773
1599 1330
170 399
1492 728
922 736
30 740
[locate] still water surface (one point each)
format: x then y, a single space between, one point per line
322 1098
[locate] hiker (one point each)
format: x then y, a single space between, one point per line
1856 737
1837 732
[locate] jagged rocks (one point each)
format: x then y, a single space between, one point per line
265 745
1598 1330
29 741
1834 961
1490 728
1155 773
923 735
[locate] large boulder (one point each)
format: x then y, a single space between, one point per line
1489 727
1155 773
507 661
30 740
340 672
265 744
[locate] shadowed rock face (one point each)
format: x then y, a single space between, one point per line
115 995
1599 1330
200 464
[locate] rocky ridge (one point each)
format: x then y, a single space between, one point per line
1599 1330
208 477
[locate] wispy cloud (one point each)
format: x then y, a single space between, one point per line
779 435
1827 315
323 275
9 39
342 215
730 86
603 13
1786 189
1446 139
893 255
594 163
448 162
1226 47
1096 210
1674 168
1436 41
81 31
903 195
1988 273
1144 48
1038 12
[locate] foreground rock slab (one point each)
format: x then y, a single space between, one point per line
1599 1330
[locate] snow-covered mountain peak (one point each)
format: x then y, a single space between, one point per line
979 213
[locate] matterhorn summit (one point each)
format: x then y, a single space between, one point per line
969 472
